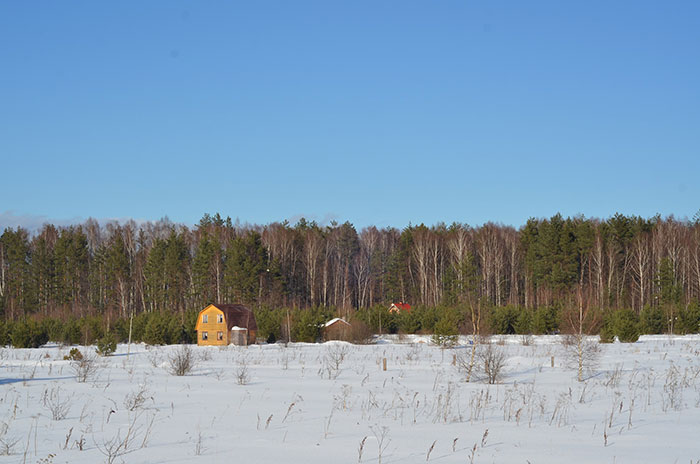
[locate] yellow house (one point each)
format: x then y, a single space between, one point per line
222 324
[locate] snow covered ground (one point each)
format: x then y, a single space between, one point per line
333 402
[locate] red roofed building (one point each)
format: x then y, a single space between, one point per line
399 307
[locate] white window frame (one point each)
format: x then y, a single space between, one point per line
205 335
205 318
220 318
219 335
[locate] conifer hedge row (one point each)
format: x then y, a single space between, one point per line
305 325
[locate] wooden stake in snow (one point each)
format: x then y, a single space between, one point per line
384 364
131 323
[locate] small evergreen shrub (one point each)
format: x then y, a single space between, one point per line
90 329
71 332
607 330
107 345
652 320
409 321
626 326
504 319
428 317
5 331
156 331
545 321
73 355
445 332
28 334
307 323
269 322
523 324
689 319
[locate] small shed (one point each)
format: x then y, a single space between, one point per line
336 329
239 336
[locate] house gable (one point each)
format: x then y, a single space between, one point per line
214 330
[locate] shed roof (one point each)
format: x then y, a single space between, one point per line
336 319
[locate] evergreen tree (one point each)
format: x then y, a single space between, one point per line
14 272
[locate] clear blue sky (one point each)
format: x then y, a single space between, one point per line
380 113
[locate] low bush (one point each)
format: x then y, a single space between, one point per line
73 355
446 332
652 320
626 326
28 334
504 319
182 361
623 324
689 319
107 345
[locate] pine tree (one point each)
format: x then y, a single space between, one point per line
14 272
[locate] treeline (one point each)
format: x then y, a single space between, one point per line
548 265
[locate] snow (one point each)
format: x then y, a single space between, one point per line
334 320
312 403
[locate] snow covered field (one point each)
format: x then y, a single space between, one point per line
334 403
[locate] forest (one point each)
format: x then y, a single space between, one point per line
86 281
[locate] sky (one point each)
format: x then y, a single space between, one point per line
378 113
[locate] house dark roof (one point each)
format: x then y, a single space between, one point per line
238 315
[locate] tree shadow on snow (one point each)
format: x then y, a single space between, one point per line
17 380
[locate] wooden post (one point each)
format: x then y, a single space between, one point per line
384 364
289 328
552 361
454 359
131 323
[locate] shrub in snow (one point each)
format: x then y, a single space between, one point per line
360 333
182 361
333 359
28 334
57 402
7 443
491 360
73 355
623 324
242 374
504 319
626 326
652 320
84 368
106 345
689 319
607 335
445 333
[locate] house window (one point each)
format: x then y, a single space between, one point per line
220 318
219 335
205 318
205 336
